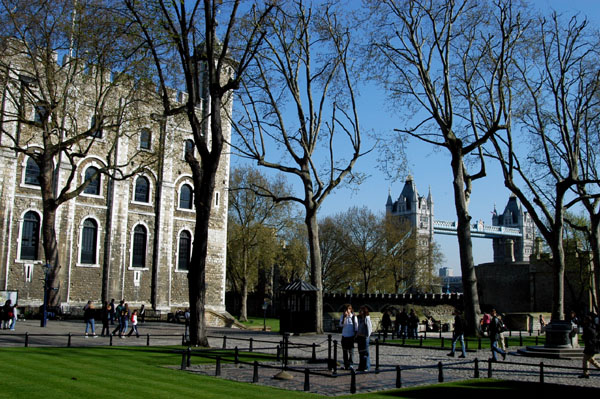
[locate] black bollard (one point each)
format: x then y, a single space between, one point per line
334 356
520 339
306 380
314 353
542 372
250 348
440 372
237 355
442 341
26 339
352 381
255 374
377 355
537 340
329 349
489 368
182 339
278 353
421 342
479 343
224 342
218 367
111 337
183 361
189 356
476 368
398 377
147 339
69 341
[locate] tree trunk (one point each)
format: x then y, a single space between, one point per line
558 286
465 245
244 304
595 245
315 265
51 253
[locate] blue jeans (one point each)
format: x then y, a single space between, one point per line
495 349
460 337
90 323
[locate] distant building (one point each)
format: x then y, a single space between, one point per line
446 272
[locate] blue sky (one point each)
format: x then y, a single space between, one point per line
432 168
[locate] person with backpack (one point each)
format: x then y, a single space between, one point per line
118 311
134 322
458 334
349 325
590 340
363 335
495 329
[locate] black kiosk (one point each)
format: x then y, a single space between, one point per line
297 308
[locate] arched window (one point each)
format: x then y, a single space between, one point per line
32 173
185 250
142 190
139 247
30 236
145 137
89 239
94 181
186 197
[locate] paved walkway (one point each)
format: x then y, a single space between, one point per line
419 366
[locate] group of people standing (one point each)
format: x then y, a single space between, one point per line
356 328
8 315
406 324
110 314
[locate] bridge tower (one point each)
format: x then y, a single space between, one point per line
418 210
517 249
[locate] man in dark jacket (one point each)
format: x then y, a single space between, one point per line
458 334
495 328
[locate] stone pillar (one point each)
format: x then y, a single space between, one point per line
509 251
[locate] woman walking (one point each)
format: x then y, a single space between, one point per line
134 322
88 316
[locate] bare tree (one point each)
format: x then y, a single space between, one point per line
559 84
336 273
47 105
205 47
254 223
300 98
447 61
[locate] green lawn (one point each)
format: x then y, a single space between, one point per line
258 322
433 342
140 372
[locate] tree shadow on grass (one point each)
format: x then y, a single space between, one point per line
493 389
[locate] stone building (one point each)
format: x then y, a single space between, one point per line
515 249
132 236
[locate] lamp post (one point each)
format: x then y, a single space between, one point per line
47 269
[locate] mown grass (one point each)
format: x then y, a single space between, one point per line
258 322
140 372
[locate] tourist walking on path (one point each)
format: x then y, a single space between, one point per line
495 328
88 316
125 315
413 325
111 311
15 313
386 323
458 334
105 317
142 314
402 320
6 314
590 349
119 318
134 322
349 326
363 334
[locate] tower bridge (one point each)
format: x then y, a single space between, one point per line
512 232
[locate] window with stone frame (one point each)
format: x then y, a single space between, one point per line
96 131
32 173
185 251
186 197
30 236
138 258
145 139
142 190
41 113
89 240
93 187
188 147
